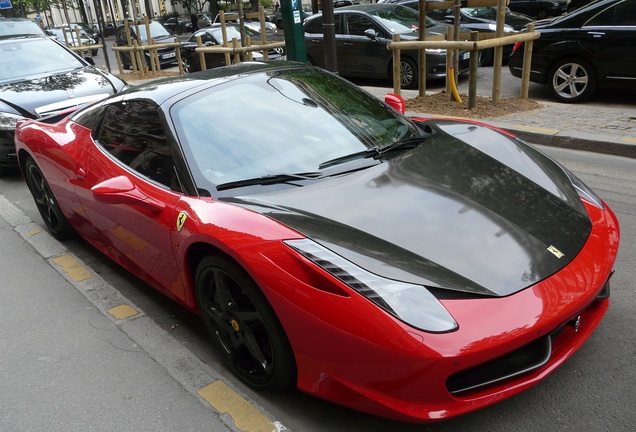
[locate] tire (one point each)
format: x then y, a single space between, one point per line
46 202
486 57
408 73
572 80
243 325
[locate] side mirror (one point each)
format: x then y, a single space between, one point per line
371 34
396 102
90 60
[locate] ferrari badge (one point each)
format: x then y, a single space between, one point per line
181 219
557 253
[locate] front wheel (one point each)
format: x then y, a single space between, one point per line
243 325
187 66
572 80
46 202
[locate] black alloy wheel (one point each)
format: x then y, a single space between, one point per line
46 202
572 80
243 325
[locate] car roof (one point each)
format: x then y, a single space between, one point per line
8 27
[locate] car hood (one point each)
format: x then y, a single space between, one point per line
48 94
470 210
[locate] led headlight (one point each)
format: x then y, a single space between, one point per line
410 303
8 121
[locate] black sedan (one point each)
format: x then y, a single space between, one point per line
539 9
591 47
362 33
39 78
213 36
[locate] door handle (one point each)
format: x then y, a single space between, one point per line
80 174
596 34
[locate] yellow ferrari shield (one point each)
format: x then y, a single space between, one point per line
181 219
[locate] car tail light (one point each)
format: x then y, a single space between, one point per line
516 46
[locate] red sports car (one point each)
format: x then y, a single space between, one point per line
413 269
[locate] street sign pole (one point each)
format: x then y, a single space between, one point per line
291 11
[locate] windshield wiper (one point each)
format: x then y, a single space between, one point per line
269 179
372 152
378 152
404 144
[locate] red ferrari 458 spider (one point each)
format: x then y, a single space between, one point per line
416 269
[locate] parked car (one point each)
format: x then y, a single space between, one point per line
204 20
481 19
211 36
39 78
539 9
91 31
158 33
178 25
589 48
64 35
362 33
336 245
19 26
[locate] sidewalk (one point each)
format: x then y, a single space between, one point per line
576 126
75 355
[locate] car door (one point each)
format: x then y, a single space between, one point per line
128 188
358 55
610 38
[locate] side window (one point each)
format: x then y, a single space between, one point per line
132 132
314 26
357 25
626 15
603 19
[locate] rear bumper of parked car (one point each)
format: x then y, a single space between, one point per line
436 64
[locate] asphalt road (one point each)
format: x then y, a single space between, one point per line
594 391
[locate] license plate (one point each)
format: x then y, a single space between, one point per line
169 55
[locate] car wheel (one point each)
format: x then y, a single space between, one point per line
408 74
46 202
572 80
185 63
243 324
486 57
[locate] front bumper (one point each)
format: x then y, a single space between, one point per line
8 157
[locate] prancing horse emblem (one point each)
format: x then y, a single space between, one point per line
181 219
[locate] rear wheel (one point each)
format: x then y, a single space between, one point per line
408 73
46 202
572 80
243 324
187 66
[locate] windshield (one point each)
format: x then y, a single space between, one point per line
18 27
157 31
27 58
400 19
314 117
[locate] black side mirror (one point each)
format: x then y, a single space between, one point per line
90 60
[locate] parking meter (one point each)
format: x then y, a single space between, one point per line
292 13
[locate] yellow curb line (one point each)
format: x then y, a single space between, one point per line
246 417
537 129
73 268
123 311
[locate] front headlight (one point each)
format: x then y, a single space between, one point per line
9 121
410 303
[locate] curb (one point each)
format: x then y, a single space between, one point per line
196 377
